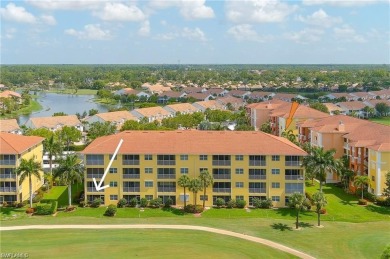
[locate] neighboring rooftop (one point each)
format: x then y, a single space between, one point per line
17 144
9 125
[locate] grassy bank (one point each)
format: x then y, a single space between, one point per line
383 120
32 107
73 92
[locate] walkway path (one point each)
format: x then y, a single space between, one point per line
180 227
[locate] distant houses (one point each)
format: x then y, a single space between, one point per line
55 123
10 126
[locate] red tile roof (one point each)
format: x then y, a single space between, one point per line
17 144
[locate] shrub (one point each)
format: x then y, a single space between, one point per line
143 202
231 204
168 203
256 202
44 188
133 202
70 208
96 203
43 209
155 203
362 202
307 204
368 196
19 205
110 211
240 204
37 198
122 203
264 204
30 210
82 204
220 202
323 211
383 201
191 208
386 253
309 197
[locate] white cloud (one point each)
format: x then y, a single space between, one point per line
66 4
167 36
193 34
262 11
348 34
90 32
305 36
48 19
144 30
10 33
320 18
120 12
16 14
189 9
343 3
245 32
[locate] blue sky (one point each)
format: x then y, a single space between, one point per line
195 32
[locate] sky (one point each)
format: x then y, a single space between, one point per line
195 32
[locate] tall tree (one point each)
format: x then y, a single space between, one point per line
297 201
382 108
206 179
28 168
68 135
70 170
53 148
195 187
321 162
184 181
386 190
360 181
98 129
320 201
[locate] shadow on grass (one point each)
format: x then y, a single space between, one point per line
350 203
378 209
175 211
305 225
292 212
11 210
281 227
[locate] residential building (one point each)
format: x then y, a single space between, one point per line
182 108
230 102
333 108
239 93
244 165
212 105
10 126
171 95
156 88
217 91
353 108
288 97
130 91
55 123
200 96
118 118
260 113
151 113
14 148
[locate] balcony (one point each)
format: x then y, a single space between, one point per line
130 162
131 176
94 175
221 176
166 162
7 189
166 189
166 176
256 163
257 177
7 162
294 177
292 163
225 190
7 176
93 189
131 189
221 163
257 190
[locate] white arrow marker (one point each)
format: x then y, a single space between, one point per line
98 186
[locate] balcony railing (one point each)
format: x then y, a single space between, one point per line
221 176
288 191
221 163
93 189
131 176
257 163
257 190
166 176
7 162
293 177
257 176
292 163
166 189
131 189
166 162
130 162
94 175
228 190
8 176
7 189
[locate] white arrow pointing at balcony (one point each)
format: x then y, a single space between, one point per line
99 186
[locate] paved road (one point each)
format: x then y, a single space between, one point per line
180 227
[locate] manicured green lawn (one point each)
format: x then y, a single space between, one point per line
72 91
60 193
384 120
132 244
33 106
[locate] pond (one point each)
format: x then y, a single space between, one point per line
67 103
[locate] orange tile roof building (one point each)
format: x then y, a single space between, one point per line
244 165
55 123
10 126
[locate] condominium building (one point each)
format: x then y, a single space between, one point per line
244 165
12 149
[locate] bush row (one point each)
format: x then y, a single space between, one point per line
45 208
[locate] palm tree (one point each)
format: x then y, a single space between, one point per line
206 179
184 181
195 187
53 148
320 201
361 181
290 136
297 201
28 168
346 174
321 162
70 170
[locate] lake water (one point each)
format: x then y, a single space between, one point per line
67 103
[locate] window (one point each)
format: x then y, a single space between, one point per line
131 186
166 173
292 161
110 156
257 161
239 157
166 186
275 198
257 174
221 173
183 157
148 170
276 185
239 184
204 197
275 171
275 158
294 187
7 159
131 173
221 187
113 184
239 197
293 174
182 197
113 197
184 170
148 157
223 160
148 184
257 187
149 197
113 170
95 160
203 157
166 159
203 169
130 159
95 172
239 171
